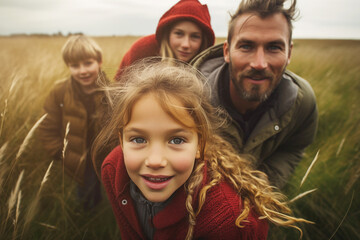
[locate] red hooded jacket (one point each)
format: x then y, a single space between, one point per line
149 46
216 219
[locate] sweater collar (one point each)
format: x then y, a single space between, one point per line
175 208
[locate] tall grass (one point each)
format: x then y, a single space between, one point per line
333 69
37 201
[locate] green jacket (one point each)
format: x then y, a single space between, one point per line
64 105
283 132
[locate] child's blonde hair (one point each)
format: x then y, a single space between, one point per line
186 84
79 48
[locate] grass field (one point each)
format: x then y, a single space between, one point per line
38 202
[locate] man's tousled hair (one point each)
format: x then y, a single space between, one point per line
264 9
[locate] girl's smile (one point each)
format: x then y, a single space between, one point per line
156 182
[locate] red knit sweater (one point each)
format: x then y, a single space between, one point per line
215 221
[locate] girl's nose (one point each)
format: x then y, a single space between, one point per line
156 158
185 43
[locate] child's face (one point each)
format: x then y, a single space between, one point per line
159 153
85 72
185 40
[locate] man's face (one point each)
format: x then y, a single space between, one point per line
258 55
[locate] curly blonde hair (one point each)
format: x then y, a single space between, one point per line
187 85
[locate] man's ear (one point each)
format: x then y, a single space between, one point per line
289 53
226 52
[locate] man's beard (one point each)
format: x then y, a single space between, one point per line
254 94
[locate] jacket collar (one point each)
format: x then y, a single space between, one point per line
287 90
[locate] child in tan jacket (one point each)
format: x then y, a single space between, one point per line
73 110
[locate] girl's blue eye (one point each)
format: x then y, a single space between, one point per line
138 140
177 141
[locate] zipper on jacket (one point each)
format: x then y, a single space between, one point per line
150 210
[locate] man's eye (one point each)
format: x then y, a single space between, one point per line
274 48
177 141
245 47
138 140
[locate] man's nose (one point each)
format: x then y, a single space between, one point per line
259 61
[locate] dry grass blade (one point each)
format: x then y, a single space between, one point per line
17 213
33 206
65 139
83 156
46 176
3 114
29 136
47 225
2 169
301 195
13 83
343 219
14 194
63 156
2 152
2 174
340 146
310 167
353 179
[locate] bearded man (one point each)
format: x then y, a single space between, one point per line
273 112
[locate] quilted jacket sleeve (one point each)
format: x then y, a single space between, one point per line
50 129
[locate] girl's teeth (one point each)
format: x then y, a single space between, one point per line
157 179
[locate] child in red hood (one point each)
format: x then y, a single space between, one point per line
182 32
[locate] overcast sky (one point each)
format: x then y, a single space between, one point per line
318 18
